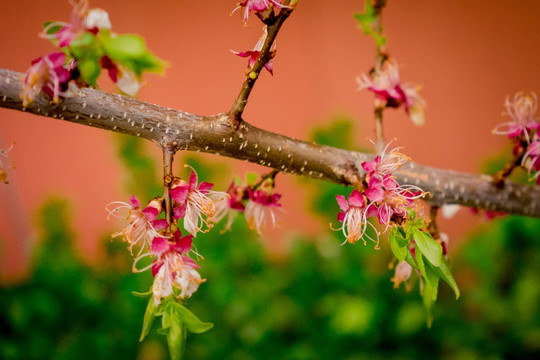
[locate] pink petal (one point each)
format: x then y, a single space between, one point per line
180 194
151 213
134 202
160 245
160 224
180 211
356 199
342 202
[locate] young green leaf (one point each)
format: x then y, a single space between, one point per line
89 69
431 249
130 51
191 322
443 271
174 330
400 251
149 316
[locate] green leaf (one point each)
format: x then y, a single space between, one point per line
130 51
84 45
443 271
398 244
173 328
432 281
149 316
431 249
89 68
191 322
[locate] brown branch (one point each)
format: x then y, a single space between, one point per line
214 134
253 74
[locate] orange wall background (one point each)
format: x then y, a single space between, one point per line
468 55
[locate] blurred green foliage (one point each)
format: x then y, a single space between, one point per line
323 301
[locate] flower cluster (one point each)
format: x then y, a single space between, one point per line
87 46
175 273
390 92
382 198
256 200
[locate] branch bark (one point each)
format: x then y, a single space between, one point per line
214 134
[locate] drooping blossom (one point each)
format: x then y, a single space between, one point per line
172 268
47 74
193 204
253 55
522 110
354 214
3 173
230 206
390 92
389 198
143 223
257 6
260 208
531 158
402 273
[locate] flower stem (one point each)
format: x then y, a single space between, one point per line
168 157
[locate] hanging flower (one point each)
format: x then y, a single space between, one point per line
143 223
531 158
193 204
230 206
389 198
47 74
390 92
402 273
354 214
253 55
260 208
172 268
522 111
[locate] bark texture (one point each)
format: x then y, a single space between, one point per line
215 134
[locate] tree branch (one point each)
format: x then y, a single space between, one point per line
214 134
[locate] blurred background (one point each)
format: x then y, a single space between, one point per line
294 294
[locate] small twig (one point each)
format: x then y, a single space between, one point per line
271 175
506 171
168 177
251 77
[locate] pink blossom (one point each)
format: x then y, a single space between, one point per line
531 158
389 198
260 208
522 111
143 223
353 215
46 74
192 203
257 6
231 205
390 92
172 268
253 55
386 163
402 273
